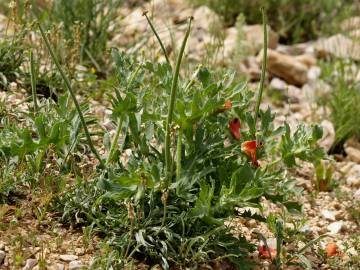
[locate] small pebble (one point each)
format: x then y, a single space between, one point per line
30 263
336 205
251 223
340 215
278 84
329 215
305 229
352 251
79 251
13 86
335 227
68 258
75 265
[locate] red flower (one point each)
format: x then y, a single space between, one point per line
249 148
332 249
227 105
263 252
234 127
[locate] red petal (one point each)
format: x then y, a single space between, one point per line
263 252
331 249
249 148
234 126
249 145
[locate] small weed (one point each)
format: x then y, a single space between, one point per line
85 25
12 56
324 171
343 101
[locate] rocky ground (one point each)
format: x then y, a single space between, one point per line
28 241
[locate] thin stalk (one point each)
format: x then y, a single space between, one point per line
33 81
115 140
168 162
172 105
178 154
157 37
72 94
263 68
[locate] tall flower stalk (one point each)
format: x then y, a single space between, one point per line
157 37
174 85
172 105
33 81
263 68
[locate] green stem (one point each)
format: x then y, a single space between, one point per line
172 104
157 37
178 154
72 94
115 140
263 68
33 81
168 162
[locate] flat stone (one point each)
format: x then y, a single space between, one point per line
68 258
335 227
75 265
30 263
286 67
